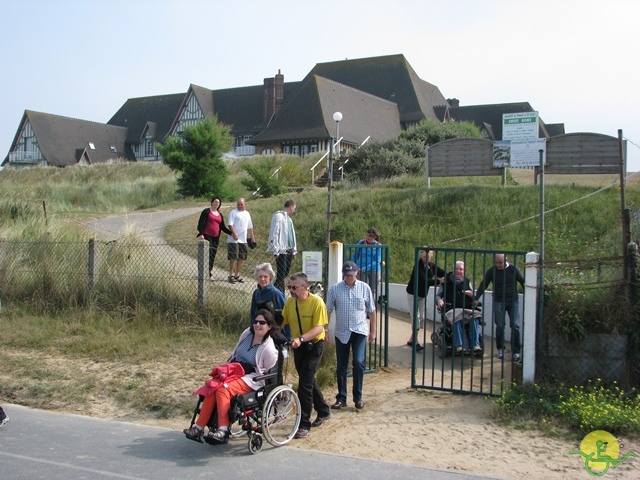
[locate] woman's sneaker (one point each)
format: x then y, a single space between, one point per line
3 417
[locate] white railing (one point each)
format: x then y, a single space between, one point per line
24 157
313 173
271 176
245 150
347 160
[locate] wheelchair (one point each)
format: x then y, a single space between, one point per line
442 336
272 412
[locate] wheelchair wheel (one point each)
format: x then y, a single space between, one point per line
255 442
281 415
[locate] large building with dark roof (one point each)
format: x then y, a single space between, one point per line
378 97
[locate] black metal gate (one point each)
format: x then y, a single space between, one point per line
373 264
438 366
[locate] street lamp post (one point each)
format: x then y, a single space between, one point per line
337 117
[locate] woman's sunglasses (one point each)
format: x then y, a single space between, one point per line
260 322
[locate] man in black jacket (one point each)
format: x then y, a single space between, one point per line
504 276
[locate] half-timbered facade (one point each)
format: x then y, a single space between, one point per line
378 98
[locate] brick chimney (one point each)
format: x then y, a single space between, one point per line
273 97
453 102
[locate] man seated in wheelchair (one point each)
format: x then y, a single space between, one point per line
455 296
257 354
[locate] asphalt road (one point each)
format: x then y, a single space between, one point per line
36 444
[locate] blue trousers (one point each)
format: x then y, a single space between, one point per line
357 344
459 334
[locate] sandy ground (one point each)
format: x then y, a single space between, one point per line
440 429
428 428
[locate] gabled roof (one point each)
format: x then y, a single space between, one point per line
555 129
136 113
309 115
489 117
388 77
60 138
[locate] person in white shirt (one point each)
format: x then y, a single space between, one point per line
241 227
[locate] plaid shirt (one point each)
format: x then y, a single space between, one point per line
351 304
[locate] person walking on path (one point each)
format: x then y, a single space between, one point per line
355 323
504 276
210 225
241 228
282 242
429 275
306 315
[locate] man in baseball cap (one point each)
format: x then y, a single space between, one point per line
355 322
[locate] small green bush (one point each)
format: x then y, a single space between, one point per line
583 408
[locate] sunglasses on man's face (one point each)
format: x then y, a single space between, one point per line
259 322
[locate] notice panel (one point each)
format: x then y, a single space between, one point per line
520 126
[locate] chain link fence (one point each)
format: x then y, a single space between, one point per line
170 281
590 324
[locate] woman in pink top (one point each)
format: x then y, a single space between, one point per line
210 224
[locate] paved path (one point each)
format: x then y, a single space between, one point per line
43 445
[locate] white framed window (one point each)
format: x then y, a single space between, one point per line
148 152
305 150
296 150
286 149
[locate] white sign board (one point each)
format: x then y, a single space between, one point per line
519 153
520 126
312 265
526 153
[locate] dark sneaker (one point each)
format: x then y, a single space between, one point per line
516 357
320 420
359 404
501 354
232 279
4 420
338 405
301 433
239 279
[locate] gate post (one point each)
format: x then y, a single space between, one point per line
530 317
201 271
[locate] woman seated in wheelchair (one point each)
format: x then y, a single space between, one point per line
257 353
455 295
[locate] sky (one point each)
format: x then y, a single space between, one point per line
573 61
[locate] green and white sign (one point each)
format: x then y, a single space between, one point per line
520 126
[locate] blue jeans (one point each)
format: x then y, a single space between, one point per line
513 310
357 343
459 334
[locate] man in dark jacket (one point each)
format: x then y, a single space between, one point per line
504 276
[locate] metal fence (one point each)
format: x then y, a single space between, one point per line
437 366
590 324
171 280
377 354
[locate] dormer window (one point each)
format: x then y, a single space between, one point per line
113 148
92 146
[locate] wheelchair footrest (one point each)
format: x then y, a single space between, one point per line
195 439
